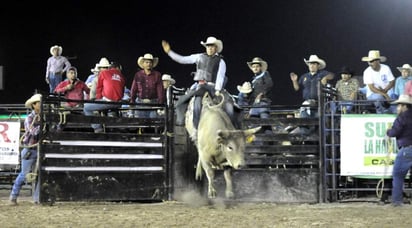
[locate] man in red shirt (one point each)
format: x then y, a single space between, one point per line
147 85
110 88
72 88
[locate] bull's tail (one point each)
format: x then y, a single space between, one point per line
198 170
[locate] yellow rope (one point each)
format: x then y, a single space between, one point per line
381 183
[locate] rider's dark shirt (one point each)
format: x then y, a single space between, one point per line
402 129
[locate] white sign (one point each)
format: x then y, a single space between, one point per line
9 142
365 149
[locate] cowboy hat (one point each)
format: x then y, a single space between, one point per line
32 99
403 99
95 69
405 67
212 40
346 70
245 88
372 55
167 77
147 56
104 62
260 61
316 59
60 49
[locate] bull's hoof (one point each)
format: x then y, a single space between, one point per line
211 194
230 195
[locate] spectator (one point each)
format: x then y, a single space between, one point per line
309 83
379 80
347 89
261 84
408 88
401 81
102 65
90 78
147 85
72 88
110 88
56 66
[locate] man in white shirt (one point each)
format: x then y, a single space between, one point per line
379 82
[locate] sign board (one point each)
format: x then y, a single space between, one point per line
9 142
365 149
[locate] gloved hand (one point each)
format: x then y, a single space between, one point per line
217 93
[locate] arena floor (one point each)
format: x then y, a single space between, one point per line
195 211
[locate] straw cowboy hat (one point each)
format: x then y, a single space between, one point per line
316 59
372 55
245 88
212 40
147 56
104 62
60 49
405 67
32 99
167 77
260 61
403 99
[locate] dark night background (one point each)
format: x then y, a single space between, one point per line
283 32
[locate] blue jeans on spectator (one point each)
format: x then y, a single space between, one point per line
403 163
382 106
146 114
26 166
54 80
341 106
89 109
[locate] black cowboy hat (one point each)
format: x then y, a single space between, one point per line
346 70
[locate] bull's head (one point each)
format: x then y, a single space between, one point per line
232 144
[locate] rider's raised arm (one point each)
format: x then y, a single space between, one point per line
190 59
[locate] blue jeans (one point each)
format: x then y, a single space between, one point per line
379 101
341 106
146 114
54 80
403 163
89 108
26 167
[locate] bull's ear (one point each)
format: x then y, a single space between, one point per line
251 131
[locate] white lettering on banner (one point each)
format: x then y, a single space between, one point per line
366 151
9 142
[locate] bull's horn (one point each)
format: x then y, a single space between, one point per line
251 131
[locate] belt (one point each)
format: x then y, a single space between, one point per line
107 99
146 100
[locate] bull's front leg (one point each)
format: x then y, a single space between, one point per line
229 187
210 173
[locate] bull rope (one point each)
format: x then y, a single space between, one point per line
381 183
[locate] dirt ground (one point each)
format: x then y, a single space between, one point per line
195 211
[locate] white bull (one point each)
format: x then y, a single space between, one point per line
219 144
